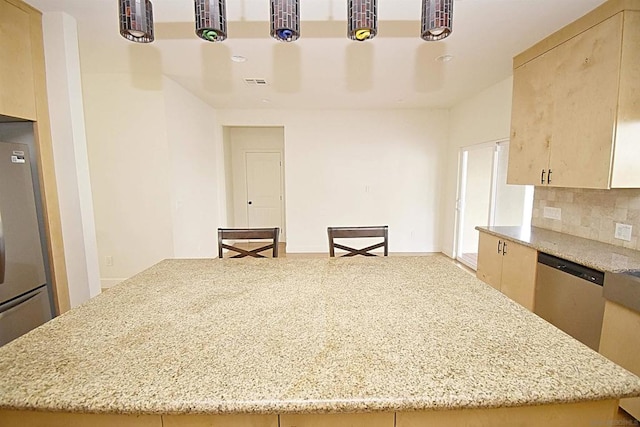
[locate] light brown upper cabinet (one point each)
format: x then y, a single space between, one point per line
576 104
17 97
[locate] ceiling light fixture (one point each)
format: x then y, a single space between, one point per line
211 20
437 16
363 19
285 20
136 20
444 58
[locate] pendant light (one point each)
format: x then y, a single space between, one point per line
285 20
436 19
136 20
211 20
363 19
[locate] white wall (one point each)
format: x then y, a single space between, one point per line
130 177
155 176
70 156
359 168
485 117
193 181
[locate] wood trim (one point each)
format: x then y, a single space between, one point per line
46 169
597 15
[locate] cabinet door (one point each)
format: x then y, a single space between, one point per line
17 97
519 274
379 419
586 93
489 260
531 120
626 154
239 420
620 342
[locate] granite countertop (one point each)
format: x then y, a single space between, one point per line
590 253
301 336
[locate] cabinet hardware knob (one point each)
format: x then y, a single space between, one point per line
250 202
499 244
549 177
542 177
504 248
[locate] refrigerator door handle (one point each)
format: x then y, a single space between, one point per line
2 256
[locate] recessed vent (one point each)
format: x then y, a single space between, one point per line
255 82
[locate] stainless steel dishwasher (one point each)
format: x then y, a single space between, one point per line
569 296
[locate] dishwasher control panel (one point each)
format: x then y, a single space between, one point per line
569 267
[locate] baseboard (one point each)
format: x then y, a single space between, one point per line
108 283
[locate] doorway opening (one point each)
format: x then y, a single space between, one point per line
485 198
254 171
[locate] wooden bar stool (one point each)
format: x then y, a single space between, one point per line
236 234
358 232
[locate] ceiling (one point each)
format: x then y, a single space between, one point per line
323 69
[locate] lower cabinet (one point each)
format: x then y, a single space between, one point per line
509 267
620 342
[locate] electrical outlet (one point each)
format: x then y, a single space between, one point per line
623 232
109 261
552 213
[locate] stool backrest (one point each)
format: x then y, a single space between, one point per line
358 232
237 234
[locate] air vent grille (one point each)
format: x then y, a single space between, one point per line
255 82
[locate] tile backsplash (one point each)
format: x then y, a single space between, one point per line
591 214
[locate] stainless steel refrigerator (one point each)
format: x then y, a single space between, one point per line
24 294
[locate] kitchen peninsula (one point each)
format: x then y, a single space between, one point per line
305 342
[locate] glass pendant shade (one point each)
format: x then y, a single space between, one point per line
211 20
136 20
437 16
363 19
285 20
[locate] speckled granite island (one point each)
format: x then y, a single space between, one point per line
397 341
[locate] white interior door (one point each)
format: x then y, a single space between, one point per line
264 189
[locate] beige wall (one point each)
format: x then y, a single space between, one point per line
193 181
153 156
70 153
342 167
128 158
590 213
359 168
483 118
